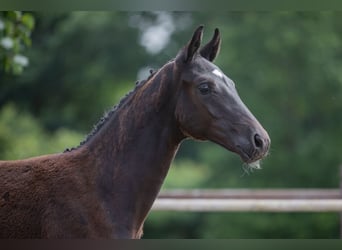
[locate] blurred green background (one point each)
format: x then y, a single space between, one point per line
61 71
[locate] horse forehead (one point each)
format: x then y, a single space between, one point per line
210 70
218 73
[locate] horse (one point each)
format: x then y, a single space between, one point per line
105 187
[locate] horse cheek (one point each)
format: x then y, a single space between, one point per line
189 119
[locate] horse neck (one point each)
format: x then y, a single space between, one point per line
134 149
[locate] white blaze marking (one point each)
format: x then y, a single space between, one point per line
218 73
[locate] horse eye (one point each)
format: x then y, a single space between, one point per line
204 89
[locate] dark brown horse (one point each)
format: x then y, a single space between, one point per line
106 187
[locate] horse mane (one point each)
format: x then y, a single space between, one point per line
108 114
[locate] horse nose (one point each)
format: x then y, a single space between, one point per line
260 143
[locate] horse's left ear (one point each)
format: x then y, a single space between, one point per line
194 44
211 49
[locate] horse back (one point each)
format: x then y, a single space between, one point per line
27 189
52 196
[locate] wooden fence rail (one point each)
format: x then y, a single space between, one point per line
237 200
266 200
251 194
249 205
261 200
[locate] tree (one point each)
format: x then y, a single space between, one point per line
15 32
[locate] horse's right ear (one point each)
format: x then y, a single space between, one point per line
212 48
192 47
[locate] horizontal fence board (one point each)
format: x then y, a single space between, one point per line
240 205
251 193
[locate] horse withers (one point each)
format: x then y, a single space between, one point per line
105 187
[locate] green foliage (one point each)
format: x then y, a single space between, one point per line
77 59
287 69
21 136
15 32
186 174
270 225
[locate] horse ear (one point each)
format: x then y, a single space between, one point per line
194 44
211 49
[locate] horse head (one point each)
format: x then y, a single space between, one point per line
208 105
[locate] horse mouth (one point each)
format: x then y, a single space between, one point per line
249 158
245 157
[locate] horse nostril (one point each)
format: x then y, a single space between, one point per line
258 141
